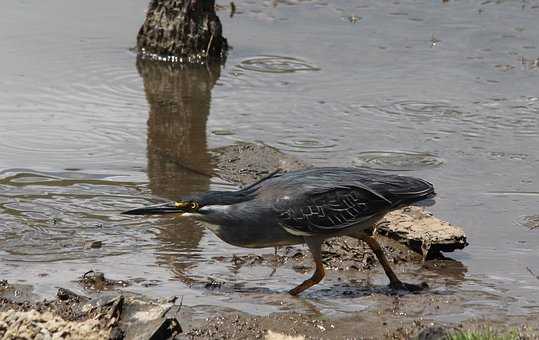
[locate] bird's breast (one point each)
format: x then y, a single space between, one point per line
253 236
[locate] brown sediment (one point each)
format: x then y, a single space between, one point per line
339 253
244 163
120 316
367 325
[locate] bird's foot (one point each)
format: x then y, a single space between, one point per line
408 286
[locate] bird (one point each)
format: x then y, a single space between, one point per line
304 206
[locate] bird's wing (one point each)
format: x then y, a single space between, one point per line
328 211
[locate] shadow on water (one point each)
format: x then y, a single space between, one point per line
178 158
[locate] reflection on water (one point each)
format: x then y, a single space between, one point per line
178 160
179 100
446 270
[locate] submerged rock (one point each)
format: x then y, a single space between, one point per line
245 163
93 280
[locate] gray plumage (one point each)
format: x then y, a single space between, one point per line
284 207
305 206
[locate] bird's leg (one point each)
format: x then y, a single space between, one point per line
377 250
315 246
394 281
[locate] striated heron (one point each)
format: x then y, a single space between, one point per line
305 206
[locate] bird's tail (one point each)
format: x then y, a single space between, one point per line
416 189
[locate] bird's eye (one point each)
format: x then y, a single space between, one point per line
194 205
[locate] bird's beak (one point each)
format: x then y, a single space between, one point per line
163 208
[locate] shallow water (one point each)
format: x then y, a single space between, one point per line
444 91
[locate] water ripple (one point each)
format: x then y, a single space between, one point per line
307 144
492 117
275 64
46 217
397 160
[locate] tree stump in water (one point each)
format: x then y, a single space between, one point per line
182 30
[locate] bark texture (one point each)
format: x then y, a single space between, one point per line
182 30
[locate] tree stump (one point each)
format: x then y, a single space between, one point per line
186 31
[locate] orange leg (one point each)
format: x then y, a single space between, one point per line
377 250
316 249
394 281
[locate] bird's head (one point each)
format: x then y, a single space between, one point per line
175 207
212 206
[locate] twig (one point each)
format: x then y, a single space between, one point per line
180 306
232 9
209 46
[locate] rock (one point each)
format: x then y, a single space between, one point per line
245 163
64 294
168 329
35 325
433 333
105 317
93 245
278 336
420 231
4 284
145 319
97 281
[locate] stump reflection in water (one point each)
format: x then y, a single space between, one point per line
178 159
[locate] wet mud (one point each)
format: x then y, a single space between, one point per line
393 325
73 316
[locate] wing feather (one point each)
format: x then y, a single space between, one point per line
329 211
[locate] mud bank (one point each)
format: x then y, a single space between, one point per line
127 317
113 315
293 326
119 316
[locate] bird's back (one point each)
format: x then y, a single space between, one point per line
285 207
393 188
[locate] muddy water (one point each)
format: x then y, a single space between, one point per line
444 91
